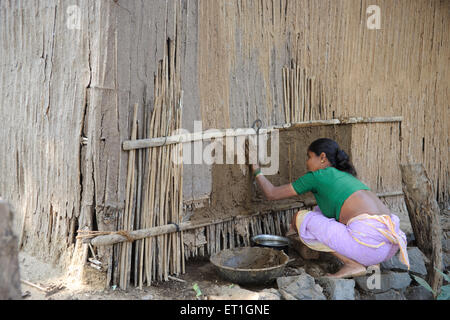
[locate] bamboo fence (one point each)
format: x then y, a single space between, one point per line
154 192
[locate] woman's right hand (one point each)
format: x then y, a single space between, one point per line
255 167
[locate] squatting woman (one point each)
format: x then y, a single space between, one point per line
349 220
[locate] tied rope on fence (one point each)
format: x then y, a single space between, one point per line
86 234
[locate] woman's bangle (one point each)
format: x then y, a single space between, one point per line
257 172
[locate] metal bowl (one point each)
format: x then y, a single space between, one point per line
250 265
271 241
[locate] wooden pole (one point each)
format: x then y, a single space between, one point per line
286 106
114 238
9 261
31 284
125 253
138 212
197 136
180 194
423 212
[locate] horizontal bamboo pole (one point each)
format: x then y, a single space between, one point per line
212 134
119 236
188 137
113 238
28 283
390 194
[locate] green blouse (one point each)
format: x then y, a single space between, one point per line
331 187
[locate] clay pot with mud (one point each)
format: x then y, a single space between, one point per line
250 265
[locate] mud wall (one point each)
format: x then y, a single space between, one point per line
234 191
401 69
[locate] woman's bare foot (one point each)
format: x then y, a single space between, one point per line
348 270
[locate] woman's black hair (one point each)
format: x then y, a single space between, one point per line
337 157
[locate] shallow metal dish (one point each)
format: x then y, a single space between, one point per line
271 241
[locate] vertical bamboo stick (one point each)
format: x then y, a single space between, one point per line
126 246
225 235
153 180
217 238
161 183
292 94
134 200
117 248
286 107
138 212
149 159
173 236
181 174
304 92
297 98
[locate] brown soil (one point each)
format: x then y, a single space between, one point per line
198 271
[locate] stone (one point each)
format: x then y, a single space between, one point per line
418 293
10 288
416 260
445 222
315 271
362 295
389 295
446 260
301 287
338 289
382 282
399 281
290 271
446 245
231 292
269 294
410 239
235 292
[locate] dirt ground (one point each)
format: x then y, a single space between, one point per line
198 271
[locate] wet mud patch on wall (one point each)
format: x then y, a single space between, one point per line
234 191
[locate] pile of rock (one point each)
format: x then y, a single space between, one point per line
392 281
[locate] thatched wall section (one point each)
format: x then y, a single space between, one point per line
400 70
44 72
66 95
